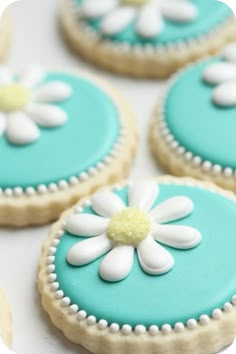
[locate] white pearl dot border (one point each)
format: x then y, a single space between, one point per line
127 329
174 145
82 177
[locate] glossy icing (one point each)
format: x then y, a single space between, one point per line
119 229
201 281
223 75
209 15
92 128
206 130
26 103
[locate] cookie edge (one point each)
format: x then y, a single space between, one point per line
101 339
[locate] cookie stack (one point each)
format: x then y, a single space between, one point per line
130 267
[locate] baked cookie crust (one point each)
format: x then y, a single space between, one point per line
45 206
199 339
5 320
141 63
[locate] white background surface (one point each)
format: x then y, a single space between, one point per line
37 41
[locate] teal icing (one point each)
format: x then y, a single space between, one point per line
203 278
87 137
197 123
210 14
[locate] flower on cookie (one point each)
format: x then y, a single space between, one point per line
223 75
27 102
118 229
148 15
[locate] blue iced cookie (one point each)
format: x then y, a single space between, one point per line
193 130
146 38
144 267
62 134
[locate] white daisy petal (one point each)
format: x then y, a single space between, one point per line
3 122
20 129
106 203
149 22
87 251
179 10
46 115
177 236
54 91
6 77
143 194
94 8
32 77
153 258
225 94
217 73
172 209
229 52
86 225
117 20
117 264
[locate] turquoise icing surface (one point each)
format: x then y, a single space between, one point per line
86 138
210 14
197 123
203 278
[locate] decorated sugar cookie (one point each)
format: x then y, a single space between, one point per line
144 267
146 38
5 35
192 130
62 134
5 324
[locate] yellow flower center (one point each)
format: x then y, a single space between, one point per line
13 97
129 227
134 2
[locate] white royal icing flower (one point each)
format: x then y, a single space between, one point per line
119 229
223 74
25 103
148 15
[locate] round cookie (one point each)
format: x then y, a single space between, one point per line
144 267
5 35
5 322
192 130
145 38
62 135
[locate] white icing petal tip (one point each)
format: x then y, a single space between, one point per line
33 77
106 203
87 251
117 264
2 123
179 10
94 8
54 91
118 20
86 225
177 236
225 94
172 209
21 130
217 73
46 115
142 195
149 22
154 259
229 53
